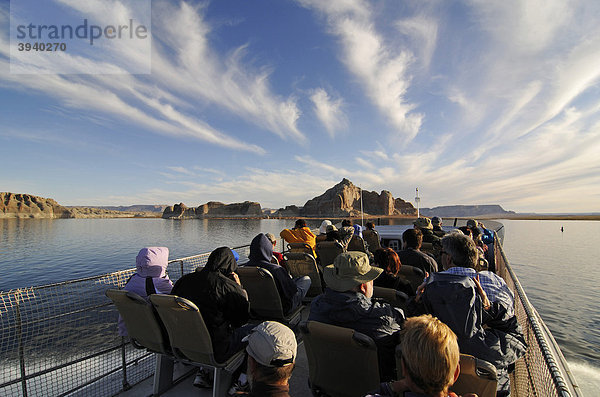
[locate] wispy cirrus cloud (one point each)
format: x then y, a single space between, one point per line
329 111
381 68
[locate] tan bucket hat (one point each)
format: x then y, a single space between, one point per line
350 269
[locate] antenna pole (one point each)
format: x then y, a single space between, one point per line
362 214
417 201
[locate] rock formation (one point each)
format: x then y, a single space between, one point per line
343 200
14 205
213 209
465 211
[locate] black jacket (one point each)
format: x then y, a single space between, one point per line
222 302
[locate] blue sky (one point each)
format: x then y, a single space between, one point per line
474 102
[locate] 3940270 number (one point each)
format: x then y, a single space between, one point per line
42 46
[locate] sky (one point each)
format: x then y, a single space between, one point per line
275 101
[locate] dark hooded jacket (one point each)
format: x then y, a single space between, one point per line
222 302
261 251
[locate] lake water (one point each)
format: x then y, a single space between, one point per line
558 270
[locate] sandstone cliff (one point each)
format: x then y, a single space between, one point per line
343 200
466 211
213 209
14 205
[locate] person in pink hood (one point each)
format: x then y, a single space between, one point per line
150 276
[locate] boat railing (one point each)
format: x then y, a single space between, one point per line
543 371
61 339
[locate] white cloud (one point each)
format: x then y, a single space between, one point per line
329 111
382 69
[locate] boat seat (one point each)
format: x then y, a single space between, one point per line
341 361
300 247
357 244
191 341
392 296
412 274
301 264
265 302
476 376
327 251
144 327
371 237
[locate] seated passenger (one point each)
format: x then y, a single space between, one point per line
425 226
276 255
387 259
430 360
357 230
411 255
457 258
291 291
333 233
436 222
150 276
217 291
484 325
347 303
272 352
323 230
371 236
300 234
345 233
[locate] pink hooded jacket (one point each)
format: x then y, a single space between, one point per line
150 262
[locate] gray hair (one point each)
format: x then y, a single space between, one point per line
271 237
461 249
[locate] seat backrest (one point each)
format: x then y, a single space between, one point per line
327 251
412 274
476 376
143 324
300 247
427 247
263 296
187 331
357 244
302 264
393 297
372 239
341 361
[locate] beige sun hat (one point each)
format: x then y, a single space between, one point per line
423 223
272 344
350 269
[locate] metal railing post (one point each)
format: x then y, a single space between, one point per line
126 385
21 350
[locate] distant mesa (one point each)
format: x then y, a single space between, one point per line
450 211
213 209
133 208
344 199
16 205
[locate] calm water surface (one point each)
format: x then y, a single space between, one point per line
559 270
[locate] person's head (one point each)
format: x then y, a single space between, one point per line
436 221
370 226
261 249
430 355
300 223
272 239
271 351
323 227
346 222
471 223
466 231
351 271
458 250
388 260
152 261
423 223
220 260
357 230
412 238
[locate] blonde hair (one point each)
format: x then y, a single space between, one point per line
430 353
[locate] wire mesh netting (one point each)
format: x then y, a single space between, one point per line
535 374
61 339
